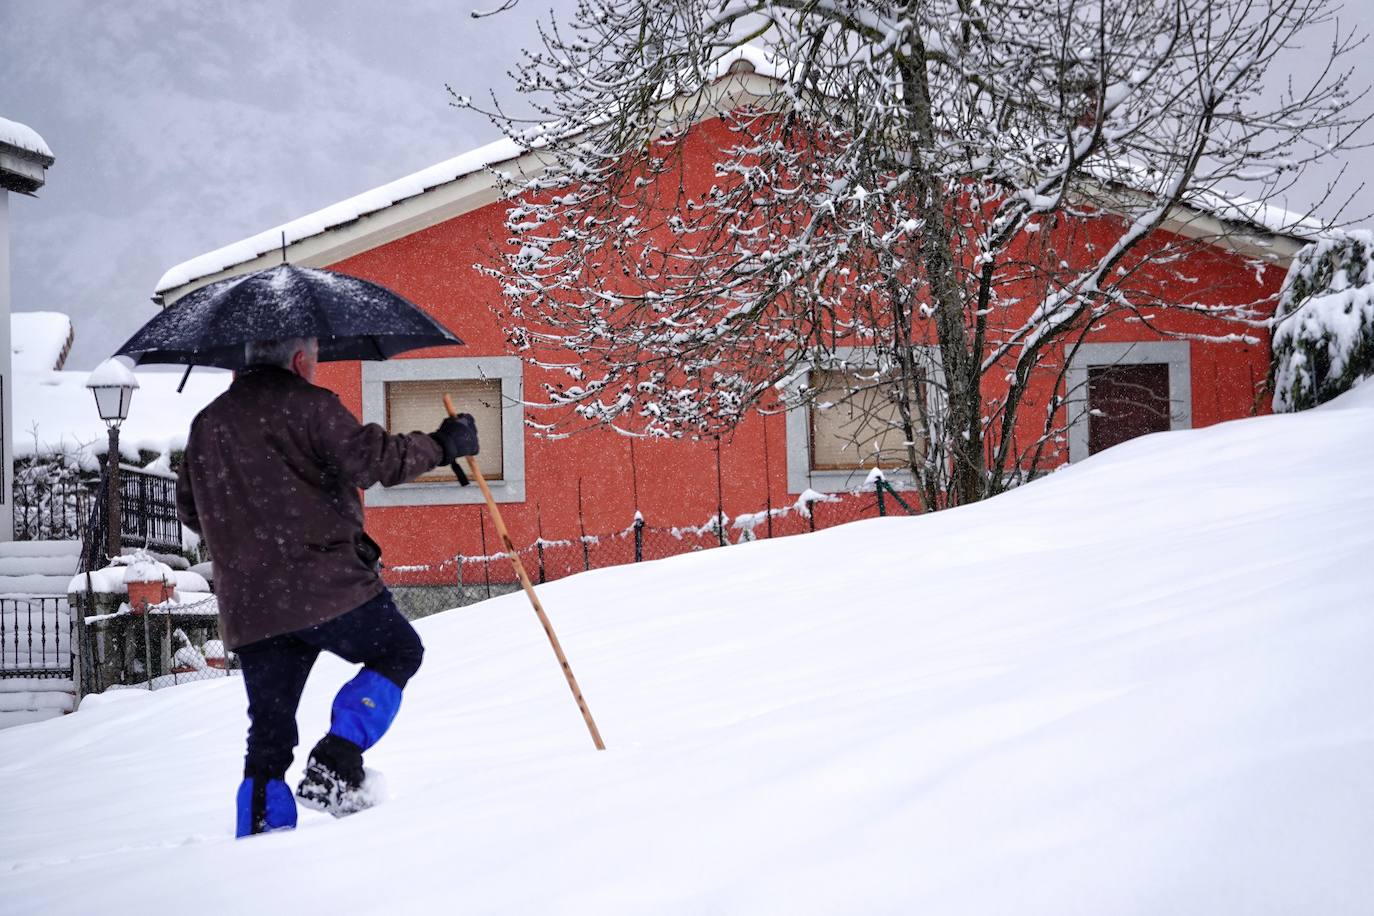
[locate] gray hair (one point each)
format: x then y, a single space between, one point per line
275 352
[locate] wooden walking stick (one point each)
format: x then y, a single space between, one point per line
476 474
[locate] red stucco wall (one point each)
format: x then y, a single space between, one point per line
676 481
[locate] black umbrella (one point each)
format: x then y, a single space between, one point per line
351 318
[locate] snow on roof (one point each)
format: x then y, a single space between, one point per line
345 211
379 198
24 137
1262 214
39 340
54 412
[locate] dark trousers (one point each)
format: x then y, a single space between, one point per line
374 634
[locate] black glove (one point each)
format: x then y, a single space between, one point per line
457 436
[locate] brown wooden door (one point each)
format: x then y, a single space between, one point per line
1126 401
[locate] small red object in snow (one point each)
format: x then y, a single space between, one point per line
142 594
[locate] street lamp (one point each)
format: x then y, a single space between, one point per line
113 385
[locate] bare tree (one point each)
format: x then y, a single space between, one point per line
939 198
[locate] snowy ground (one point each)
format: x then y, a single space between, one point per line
1142 686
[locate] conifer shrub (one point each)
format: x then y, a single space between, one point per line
1323 339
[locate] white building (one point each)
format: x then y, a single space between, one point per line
24 162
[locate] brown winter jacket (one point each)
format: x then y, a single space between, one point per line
270 480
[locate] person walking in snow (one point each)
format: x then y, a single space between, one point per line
270 479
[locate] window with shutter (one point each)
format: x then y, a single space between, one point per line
856 423
419 405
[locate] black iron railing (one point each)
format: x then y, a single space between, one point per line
35 637
74 510
148 510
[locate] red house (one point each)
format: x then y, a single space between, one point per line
422 235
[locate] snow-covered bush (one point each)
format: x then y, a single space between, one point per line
53 496
1324 326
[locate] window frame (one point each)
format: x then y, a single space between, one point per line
1176 354
800 475
508 370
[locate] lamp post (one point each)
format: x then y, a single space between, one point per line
113 385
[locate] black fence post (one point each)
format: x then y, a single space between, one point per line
170 643
767 479
486 560
147 650
878 490
122 637
539 544
145 497
634 474
639 537
720 499
90 665
582 525
884 485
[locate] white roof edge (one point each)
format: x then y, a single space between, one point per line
26 138
338 214
1262 214
743 63
1248 228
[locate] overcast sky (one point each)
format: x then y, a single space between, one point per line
181 126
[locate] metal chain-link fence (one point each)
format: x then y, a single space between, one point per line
166 645
174 643
421 590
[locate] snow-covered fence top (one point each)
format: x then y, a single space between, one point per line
115 578
1323 340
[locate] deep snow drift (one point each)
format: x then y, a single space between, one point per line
1140 686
